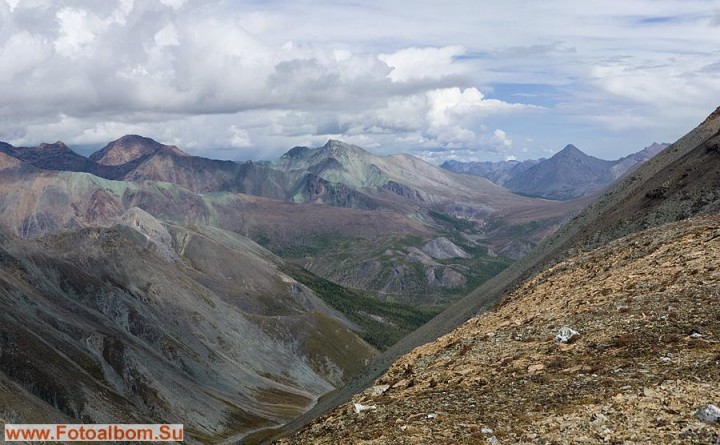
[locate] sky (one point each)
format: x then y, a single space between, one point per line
465 80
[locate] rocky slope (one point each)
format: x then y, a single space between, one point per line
162 323
644 361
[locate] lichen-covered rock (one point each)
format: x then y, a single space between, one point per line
709 413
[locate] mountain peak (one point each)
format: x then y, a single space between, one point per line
336 145
59 144
570 149
132 147
295 152
331 147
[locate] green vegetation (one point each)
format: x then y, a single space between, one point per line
451 221
308 246
382 323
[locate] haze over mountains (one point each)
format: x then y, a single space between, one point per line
568 174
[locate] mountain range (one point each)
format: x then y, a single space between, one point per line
142 283
568 174
401 189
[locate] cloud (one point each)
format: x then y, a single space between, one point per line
167 36
25 50
175 4
422 63
77 31
500 140
239 137
237 79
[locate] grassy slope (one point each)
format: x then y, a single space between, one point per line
382 323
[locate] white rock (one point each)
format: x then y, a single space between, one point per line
359 407
708 413
379 390
566 335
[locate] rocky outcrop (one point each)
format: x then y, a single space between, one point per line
442 248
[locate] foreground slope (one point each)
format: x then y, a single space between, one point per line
646 361
629 206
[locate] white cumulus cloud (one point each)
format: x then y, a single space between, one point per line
422 63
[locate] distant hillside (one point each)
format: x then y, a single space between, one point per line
497 172
569 174
130 148
57 156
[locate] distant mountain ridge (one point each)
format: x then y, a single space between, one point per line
336 173
498 172
568 174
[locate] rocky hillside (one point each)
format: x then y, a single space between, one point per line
618 345
148 321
